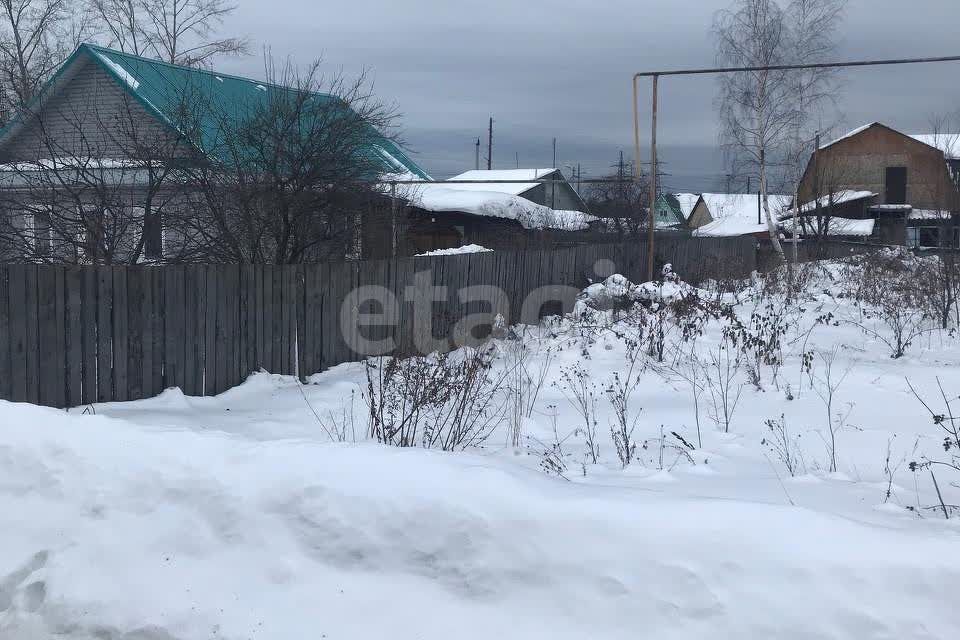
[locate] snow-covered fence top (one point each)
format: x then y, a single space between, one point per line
75 335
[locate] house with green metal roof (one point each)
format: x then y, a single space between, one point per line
162 92
107 119
669 212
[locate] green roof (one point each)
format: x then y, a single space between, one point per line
669 213
163 89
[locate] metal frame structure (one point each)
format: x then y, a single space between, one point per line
655 76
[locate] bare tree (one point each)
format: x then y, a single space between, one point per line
291 178
100 188
762 112
175 31
123 22
35 37
621 200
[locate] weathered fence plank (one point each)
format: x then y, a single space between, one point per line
72 335
6 370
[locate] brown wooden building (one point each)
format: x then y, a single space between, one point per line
902 182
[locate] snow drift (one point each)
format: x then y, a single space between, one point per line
119 531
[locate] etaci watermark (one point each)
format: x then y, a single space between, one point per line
374 321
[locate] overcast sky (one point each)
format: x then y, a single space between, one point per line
562 68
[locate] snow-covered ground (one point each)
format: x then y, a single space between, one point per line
238 517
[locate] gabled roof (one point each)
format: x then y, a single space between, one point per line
742 205
687 202
669 212
163 89
949 143
481 176
831 199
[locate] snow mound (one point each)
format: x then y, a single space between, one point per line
617 292
132 532
470 248
440 198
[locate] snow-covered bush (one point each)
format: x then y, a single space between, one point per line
526 372
893 307
947 421
581 392
444 401
784 445
620 393
616 294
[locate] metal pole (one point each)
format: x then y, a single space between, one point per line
476 158
651 215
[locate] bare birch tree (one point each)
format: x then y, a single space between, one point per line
762 112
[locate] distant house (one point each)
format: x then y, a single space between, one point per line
100 123
672 212
497 209
686 203
734 214
908 186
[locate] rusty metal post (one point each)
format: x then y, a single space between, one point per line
651 215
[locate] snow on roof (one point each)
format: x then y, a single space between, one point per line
840 197
742 205
121 72
470 248
837 226
442 198
512 188
728 227
949 143
929 214
67 163
849 134
687 202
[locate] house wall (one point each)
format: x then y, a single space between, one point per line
700 216
89 117
559 196
420 231
860 162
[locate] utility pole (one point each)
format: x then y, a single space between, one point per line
490 145
553 186
476 155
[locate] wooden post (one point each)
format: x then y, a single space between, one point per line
393 219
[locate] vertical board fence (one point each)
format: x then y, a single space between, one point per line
77 335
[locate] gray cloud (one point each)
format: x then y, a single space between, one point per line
562 68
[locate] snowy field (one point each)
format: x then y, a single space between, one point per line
269 512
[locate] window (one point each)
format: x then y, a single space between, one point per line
37 232
153 236
923 237
896 185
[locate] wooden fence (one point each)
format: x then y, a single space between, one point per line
75 335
